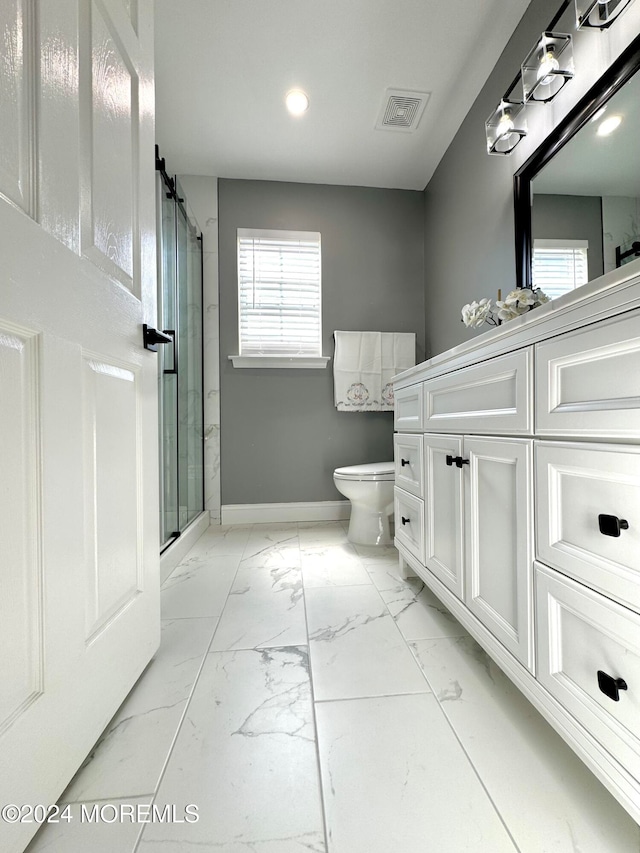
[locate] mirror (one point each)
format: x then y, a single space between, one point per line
577 199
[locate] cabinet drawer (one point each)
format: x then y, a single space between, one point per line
409 518
579 488
588 381
579 633
491 397
409 466
407 409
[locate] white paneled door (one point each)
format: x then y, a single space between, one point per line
78 423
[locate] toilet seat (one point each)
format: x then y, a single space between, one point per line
373 472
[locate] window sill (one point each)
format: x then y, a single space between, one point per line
280 361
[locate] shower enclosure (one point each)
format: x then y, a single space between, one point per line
180 362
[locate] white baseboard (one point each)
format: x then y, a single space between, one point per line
184 543
266 513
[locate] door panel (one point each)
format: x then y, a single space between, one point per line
444 539
16 106
79 614
21 627
499 553
111 486
110 227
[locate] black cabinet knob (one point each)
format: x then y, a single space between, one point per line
611 525
460 461
404 462
611 686
450 459
405 520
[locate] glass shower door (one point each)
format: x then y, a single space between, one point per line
180 375
167 376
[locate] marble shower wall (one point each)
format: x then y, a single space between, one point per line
202 198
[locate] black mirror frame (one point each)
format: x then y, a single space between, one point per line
627 64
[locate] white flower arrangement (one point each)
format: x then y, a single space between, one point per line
516 303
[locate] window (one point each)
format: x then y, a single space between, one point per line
559 265
279 297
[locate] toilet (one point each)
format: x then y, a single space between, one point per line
370 490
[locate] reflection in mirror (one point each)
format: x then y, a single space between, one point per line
586 200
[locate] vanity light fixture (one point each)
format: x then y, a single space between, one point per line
505 127
547 68
607 126
297 102
598 14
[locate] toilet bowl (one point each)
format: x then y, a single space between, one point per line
370 490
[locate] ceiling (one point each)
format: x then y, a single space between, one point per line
223 68
592 165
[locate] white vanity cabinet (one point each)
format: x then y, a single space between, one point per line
529 441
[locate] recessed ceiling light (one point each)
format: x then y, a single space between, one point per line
297 102
609 125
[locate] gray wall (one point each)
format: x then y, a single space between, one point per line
469 237
281 437
571 217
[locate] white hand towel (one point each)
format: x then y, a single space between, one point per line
363 365
357 371
398 354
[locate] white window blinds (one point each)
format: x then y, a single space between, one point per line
559 265
279 292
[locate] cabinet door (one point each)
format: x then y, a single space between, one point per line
409 464
589 660
494 396
588 515
409 515
444 522
407 413
499 554
588 381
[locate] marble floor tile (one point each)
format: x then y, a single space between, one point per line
394 778
372 554
419 613
265 608
332 565
312 533
219 539
385 575
80 834
272 545
547 797
198 588
246 756
130 754
356 648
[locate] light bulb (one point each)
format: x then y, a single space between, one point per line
504 128
297 102
548 64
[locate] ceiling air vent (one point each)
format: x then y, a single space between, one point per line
401 110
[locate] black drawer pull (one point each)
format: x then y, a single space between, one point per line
611 525
450 459
460 461
405 520
611 686
404 462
